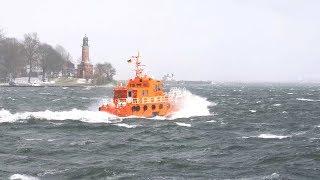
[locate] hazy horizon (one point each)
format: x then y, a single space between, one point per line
221 41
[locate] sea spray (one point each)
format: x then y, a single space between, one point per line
95 106
192 105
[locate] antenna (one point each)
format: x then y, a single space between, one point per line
138 65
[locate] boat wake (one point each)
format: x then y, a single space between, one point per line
192 105
74 114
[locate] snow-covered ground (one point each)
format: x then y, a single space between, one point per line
34 81
81 81
60 81
24 80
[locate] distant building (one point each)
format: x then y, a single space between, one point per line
68 69
85 69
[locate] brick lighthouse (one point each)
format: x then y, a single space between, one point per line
85 69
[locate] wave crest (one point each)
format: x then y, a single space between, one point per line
22 177
74 114
183 124
267 136
272 136
192 105
308 100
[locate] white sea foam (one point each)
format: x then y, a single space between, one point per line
87 88
192 105
245 137
52 172
74 114
211 121
36 139
273 176
276 105
308 100
56 124
125 125
13 99
272 136
312 139
100 101
267 136
22 177
82 143
183 124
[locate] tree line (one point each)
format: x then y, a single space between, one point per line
27 57
23 58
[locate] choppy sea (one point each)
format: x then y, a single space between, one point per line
223 131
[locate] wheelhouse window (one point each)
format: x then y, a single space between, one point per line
157 87
120 93
129 93
144 92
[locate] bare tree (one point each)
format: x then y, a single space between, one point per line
31 46
50 60
44 55
3 69
68 67
103 73
13 57
64 53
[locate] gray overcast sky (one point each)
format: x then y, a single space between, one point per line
225 40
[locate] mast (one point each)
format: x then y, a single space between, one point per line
138 66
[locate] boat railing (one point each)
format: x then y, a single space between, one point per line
144 100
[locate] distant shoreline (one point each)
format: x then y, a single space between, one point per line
176 82
56 82
52 85
48 86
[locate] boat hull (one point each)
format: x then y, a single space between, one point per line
140 110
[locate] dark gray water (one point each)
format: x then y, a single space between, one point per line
246 132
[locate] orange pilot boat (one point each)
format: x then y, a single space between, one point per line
143 96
